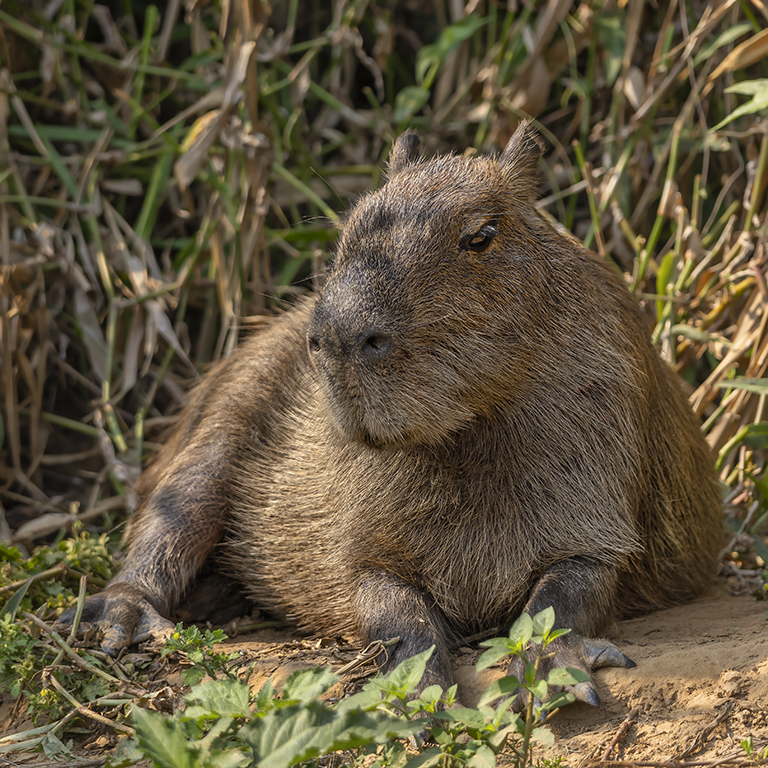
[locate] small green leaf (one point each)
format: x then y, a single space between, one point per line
557 700
543 736
265 697
483 758
432 693
54 748
530 673
308 684
367 699
579 675
560 677
406 676
193 675
226 697
409 101
450 38
521 631
757 386
758 89
730 35
505 686
663 278
450 695
498 648
13 604
428 699
544 621
127 753
539 689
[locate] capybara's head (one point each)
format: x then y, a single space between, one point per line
426 320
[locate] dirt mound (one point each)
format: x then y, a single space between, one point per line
700 686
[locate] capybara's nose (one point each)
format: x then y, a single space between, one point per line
333 336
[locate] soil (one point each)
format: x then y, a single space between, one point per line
699 688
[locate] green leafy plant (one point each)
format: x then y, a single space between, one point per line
223 724
543 695
50 575
198 648
758 90
754 753
46 581
17 662
30 667
431 57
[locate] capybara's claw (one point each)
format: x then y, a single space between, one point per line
125 616
576 652
585 692
601 653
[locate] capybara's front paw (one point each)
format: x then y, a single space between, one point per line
125 616
577 652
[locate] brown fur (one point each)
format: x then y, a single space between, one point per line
443 437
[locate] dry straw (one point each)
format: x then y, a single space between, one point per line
165 180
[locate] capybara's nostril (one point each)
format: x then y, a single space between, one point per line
375 344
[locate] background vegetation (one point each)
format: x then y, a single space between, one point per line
171 172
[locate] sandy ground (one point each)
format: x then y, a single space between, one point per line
699 688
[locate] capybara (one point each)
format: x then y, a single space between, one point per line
467 422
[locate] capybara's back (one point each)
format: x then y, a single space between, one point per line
469 421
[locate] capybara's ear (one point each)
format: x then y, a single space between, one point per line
521 156
405 152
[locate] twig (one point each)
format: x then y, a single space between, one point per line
630 718
723 714
58 569
85 711
371 651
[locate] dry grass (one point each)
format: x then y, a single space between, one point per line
168 177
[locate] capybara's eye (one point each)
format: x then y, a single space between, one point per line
480 240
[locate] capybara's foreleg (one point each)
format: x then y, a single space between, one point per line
175 531
389 607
